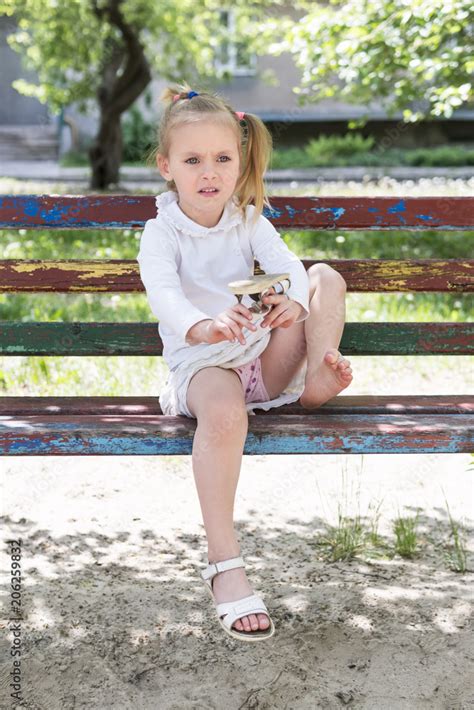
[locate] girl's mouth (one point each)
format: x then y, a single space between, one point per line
207 192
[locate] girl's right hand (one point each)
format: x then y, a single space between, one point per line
228 325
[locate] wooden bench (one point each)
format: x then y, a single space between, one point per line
135 425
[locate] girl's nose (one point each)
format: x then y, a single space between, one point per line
209 169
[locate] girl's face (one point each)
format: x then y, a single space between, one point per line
202 155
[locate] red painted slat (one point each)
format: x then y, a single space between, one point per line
131 211
122 276
343 404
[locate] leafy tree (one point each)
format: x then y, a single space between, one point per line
107 50
418 55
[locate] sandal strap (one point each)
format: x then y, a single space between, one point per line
215 567
239 608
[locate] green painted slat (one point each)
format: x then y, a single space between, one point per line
143 339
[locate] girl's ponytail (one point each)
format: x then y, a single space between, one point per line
258 145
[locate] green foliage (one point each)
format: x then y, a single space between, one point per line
73 159
333 148
72 47
64 43
417 56
441 155
138 136
287 158
328 154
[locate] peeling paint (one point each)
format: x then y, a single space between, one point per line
398 207
337 212
128 212
428 218
163 435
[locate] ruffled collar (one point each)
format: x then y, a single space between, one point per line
167 204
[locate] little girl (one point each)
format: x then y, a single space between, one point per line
225 361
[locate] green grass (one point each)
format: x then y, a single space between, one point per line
76 376
455 550
406 544
354 535
345 540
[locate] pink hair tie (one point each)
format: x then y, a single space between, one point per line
175 98
240 115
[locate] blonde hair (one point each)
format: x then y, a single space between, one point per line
254 140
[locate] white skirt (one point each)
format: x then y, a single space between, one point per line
228 355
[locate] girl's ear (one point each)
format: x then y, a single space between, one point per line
163 166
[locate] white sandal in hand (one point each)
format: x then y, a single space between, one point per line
231 611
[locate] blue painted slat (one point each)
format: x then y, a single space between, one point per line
272 434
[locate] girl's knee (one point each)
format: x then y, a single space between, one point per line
225 410
221 425
216 396
324 272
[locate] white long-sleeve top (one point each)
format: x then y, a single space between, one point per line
186 267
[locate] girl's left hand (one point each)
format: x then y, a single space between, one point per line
284 311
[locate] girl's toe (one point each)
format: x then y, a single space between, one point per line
264 621
333 355
245 623
253 622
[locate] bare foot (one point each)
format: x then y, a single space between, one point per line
231 585
326 380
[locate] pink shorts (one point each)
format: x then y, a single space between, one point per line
252 382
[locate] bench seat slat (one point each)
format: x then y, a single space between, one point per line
122 276
275 434
132 211
143 339
342 404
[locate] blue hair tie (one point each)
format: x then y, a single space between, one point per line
192 93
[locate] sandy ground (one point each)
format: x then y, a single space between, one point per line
115 614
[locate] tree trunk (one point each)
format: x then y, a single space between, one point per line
125 74
106 153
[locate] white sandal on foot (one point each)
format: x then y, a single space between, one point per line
232 611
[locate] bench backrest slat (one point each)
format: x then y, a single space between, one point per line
114 275
131 211
142 339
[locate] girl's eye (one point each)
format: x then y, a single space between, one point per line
222 156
